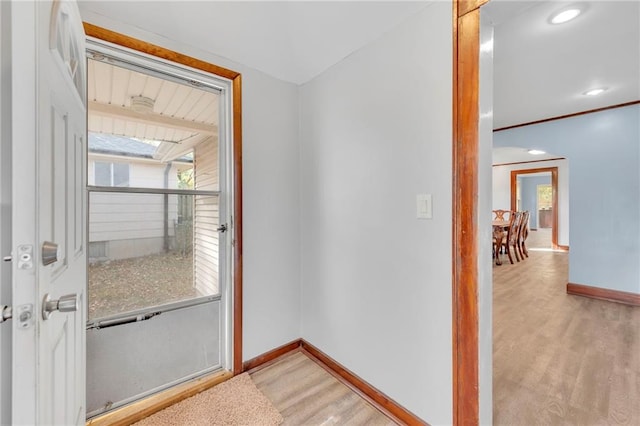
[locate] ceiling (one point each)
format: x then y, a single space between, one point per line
508 154
540 70
124 102
290 40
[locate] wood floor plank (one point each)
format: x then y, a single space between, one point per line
305 394
558 358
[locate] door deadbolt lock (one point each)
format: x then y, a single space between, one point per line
49 253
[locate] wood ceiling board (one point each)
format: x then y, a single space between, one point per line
179 111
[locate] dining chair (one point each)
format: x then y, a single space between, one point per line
523 234
512 236
499 236
501 214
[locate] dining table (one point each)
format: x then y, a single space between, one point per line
500 228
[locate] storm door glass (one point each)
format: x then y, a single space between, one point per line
156 244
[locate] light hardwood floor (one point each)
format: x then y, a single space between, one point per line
306 394
557 358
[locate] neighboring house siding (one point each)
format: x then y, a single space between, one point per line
131 225
142 173
206 218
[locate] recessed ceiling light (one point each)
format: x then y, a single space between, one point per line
595 92
536 152
565 15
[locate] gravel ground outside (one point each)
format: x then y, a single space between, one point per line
124 285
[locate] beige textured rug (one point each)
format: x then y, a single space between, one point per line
234 402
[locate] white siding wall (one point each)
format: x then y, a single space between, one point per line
131 225
142 173
206 218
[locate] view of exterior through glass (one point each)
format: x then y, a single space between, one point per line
148 249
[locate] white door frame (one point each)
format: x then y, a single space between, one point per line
23 226
48 110
5 208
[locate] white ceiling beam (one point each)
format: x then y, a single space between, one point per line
124 113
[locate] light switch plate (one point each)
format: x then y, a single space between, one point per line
424 206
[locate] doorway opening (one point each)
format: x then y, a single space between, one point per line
536 191
160 190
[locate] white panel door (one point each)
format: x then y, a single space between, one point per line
48 142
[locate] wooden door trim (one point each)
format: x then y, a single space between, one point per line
153 50
269 357
466 6
562 117
236 80
527 162
554 196
465 327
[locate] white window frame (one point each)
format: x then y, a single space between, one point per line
111 173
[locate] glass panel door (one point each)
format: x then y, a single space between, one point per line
155 164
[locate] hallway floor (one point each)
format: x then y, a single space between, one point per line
539 239
558 358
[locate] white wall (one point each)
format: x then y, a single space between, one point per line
5 208
271 244
502 191
603 151
376 282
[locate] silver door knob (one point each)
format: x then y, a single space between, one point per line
66 303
